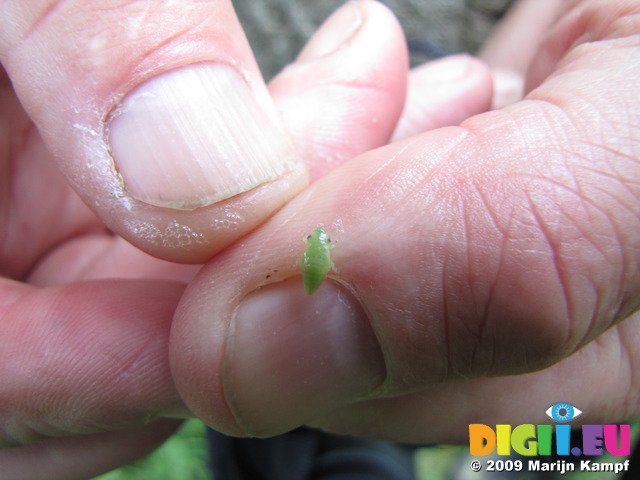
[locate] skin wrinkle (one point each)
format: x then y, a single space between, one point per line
450 368
580 193
618 154
481 335
581 60
389 183
560 125
597 310
611 193
580 24
616 235
584 199
485 343
132 360
556 257
486 315
42 17
601 26
626 131
165 43
147 14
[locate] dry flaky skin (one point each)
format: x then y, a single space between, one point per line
316 260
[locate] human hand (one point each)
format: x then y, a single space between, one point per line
84 354
482 272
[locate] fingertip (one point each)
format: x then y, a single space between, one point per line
345 91
443 93
276 360
334 33
84 456
110 346
253 354
159 118
318 352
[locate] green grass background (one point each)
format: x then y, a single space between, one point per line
181 457
184 457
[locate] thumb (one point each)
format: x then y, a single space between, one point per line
157 115
499 247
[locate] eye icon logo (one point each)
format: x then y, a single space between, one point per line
563 412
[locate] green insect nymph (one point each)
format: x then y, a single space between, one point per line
316 260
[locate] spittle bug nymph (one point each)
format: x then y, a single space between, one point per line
316 260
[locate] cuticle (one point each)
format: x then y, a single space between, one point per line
379 387
232 404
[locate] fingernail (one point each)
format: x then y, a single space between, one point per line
197 135
293 356
334 32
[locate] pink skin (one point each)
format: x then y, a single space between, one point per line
65 269
499 246
502 246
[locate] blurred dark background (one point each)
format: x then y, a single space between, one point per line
278 29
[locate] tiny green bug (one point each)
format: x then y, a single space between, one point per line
316 260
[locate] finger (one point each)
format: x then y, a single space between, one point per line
340 131
156 114
84 358
444 92
516 39
498 248
513 45
84 456
442 413
345 91
95 256
28 175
